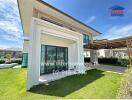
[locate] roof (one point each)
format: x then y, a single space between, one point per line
67 15
116 7
109 44
26 13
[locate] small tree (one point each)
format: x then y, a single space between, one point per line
8 57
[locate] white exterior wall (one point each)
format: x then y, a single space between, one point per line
122 53
102 53
86 53
50 34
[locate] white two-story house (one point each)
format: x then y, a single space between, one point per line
54 41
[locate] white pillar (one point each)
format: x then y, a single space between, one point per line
81 56
93 56
72 56
34 57
75 55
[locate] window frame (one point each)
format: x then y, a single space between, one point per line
86 39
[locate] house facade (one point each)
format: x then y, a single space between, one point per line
108 53
54 42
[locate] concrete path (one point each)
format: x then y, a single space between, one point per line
18 66
116 69
7 65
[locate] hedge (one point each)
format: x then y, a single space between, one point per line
13 61
87 60
111 61
2 61
24 66
123 62
108 60
17 61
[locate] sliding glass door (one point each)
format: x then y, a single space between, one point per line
61 58
53 58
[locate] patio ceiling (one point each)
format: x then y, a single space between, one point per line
109 44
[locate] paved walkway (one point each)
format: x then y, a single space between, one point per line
8 65
116 69
17 66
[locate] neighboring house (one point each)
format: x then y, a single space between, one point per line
54 41
116 48
108 53
120 53
15 53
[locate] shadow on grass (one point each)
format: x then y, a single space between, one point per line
67 85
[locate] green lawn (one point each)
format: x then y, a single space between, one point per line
95 84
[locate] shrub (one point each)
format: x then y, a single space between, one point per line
24 66
111 61
108 61
86 60
17 61
12 61
123 62
125 91
2 61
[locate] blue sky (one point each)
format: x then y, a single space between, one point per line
95 13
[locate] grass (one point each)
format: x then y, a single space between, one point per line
95 84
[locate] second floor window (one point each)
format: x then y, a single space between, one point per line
85 39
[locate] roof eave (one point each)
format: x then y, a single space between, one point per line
43 2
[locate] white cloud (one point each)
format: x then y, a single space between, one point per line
117 32
10 21
92 18
4 46
10 47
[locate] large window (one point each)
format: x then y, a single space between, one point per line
85 39
53 58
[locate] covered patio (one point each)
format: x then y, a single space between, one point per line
109 44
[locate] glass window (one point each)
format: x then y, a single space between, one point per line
42 59
85 39
25 59
84 36
53 58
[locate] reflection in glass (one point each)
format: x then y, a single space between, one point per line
53 58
